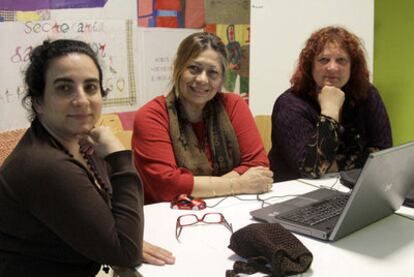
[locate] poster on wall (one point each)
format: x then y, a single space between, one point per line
171 13
111 40
229 19
157 60
70 10
236 37
227 11
24 16
24 5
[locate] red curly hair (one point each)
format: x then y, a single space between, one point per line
357 87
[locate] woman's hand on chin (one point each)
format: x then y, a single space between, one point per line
101 140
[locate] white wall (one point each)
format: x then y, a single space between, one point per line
279 29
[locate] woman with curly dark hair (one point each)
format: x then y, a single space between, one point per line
332 117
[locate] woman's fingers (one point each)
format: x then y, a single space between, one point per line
156 255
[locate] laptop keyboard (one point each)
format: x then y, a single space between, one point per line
318 212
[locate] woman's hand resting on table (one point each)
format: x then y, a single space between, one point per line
256 180
156 255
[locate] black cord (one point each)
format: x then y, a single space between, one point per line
334 184
235 196
278 196
264 201
327 187
306 183
215 205
258 198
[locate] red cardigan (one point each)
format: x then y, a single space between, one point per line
154 154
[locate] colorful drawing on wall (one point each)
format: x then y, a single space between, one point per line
194 16
236 37
234 29
227 11
33 16
7 16
74 4
24 16
112 41
24 5
171 13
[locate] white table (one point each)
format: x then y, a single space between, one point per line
384 248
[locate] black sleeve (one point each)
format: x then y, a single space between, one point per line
69 204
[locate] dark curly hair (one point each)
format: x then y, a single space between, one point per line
191 47
357 87
40 58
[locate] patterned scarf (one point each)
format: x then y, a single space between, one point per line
189 152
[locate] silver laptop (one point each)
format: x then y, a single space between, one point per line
385 180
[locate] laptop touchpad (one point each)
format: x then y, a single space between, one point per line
311 197
292 204
303 201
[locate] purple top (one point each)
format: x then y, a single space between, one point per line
305 144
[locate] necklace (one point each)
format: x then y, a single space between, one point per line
92 170
92 173
95 177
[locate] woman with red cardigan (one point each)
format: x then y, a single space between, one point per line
198 140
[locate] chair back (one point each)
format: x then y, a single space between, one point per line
8 141
113 121
264 124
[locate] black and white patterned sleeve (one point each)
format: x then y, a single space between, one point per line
321 149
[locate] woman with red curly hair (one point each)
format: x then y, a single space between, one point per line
332 117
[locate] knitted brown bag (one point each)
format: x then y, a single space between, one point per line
269 248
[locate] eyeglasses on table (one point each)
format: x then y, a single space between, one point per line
208 218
